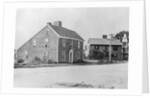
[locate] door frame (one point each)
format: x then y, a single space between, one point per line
71 52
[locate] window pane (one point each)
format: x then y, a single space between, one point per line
46 39
78 44
63 55
64 42
34 42
78 55
46 42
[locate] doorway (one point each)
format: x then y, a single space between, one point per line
71 56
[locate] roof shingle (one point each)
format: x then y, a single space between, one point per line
64 32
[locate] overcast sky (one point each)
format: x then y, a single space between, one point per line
87 22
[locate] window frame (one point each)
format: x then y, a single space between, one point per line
115 48
71 43
79 44
78 55
34 42
46 42
47 32
63 42
63 55
26 53
96 47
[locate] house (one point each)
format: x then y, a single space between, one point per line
125 46
123 36
54 43
98 48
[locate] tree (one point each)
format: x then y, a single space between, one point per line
120 35
125 40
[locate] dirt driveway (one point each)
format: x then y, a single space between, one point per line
93 76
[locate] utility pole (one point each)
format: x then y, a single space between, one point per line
110 47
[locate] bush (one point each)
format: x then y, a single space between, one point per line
36 60
20 61
51 61
80 61
95 54
44 61
100 62
104 61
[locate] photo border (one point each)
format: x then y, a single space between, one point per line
135 50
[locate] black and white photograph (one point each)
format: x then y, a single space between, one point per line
71 48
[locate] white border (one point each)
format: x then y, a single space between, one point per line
135 52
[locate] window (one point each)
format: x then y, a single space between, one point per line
71 43
64 43
106 48
92 47
124 44
34 42
96 47
124 49
79 44
78 55
115 48
47 32
46 54
63 55
26 54
114 55
46 42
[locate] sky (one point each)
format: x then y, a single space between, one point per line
87 22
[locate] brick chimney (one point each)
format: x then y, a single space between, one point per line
104 36
58 23
49 23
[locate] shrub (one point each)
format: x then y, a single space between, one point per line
80 61
95 54
100 62
45 60
20 61
51 61
104 61
36 60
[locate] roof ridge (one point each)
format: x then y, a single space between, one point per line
63 27
65 32
104 41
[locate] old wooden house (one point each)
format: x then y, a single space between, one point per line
54 42
101 48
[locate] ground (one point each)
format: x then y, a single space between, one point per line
109 76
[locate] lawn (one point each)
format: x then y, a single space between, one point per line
108 76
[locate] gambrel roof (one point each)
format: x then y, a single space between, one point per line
99 41
64 32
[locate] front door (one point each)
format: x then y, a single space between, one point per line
71 56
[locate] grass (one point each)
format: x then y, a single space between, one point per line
78 63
